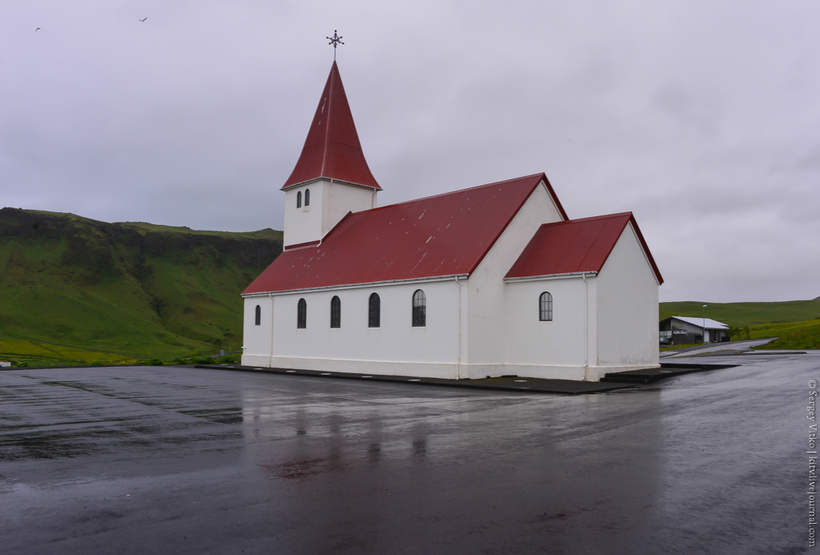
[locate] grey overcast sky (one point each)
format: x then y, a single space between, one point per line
701 117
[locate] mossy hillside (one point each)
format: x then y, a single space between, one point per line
137 289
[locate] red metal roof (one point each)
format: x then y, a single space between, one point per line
438 236
332 147
576 246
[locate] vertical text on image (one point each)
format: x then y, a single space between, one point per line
811 415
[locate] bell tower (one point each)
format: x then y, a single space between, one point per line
331 177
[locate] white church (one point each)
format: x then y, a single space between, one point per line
493 280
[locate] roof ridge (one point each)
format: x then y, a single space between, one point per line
330 90
627 214
468 189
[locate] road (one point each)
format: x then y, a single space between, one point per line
160 459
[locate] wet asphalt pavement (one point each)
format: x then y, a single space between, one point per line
185 460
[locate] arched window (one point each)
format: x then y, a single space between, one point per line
258 315
335 312
419 309
298 199
307 197
545 307
301 314
374 311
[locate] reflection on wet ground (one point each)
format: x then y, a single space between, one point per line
204 461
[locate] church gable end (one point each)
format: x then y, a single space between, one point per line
575 247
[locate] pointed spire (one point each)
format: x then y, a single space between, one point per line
332 149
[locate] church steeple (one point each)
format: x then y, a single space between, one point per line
331 177
332 149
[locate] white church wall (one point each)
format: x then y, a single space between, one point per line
394 348
547 349
329 203
627 308
343 198
303 224
256 339
487 293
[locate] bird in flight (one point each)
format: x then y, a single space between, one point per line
144 18
37 29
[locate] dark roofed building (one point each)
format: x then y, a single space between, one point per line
687 330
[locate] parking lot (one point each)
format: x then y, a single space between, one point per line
159 459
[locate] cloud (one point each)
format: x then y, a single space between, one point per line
699 117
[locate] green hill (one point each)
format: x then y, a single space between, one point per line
795 323
746 314
77 289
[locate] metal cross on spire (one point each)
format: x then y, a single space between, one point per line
335 40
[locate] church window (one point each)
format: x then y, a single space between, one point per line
307 197
335 312
374 309
298 199
419 309
545 307
258 315
301 314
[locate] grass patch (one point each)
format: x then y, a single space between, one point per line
685 346
39 353
799 337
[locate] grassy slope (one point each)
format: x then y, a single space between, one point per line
79 289
805 338
746 314
796 323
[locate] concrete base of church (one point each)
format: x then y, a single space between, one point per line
548 372
442 370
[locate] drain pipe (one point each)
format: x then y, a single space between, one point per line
458 364
586 328
270 360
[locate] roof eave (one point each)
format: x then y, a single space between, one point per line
332 180
355 285
543 277
646 250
